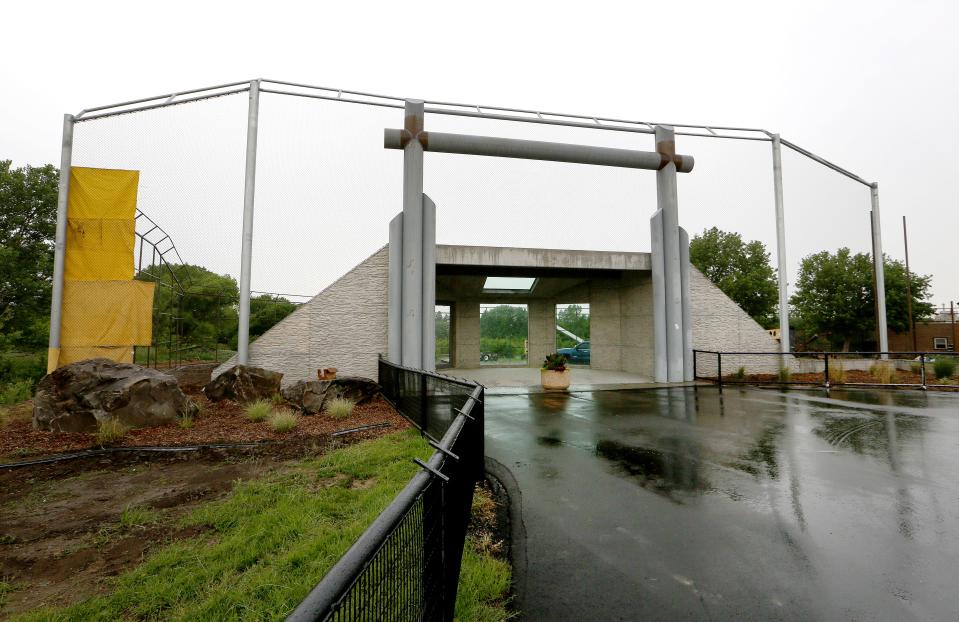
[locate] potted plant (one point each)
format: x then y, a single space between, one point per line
555 374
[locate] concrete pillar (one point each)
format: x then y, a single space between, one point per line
658 297
687 306
395 290
668 202
412 322
429 284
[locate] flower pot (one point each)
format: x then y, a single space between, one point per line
554 380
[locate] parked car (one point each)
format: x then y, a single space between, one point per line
578 355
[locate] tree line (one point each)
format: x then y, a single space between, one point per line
833 306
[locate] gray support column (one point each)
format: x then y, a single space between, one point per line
429 284
60 243
659 297
784 345
413 237
877 258
395 293
687 309
668 201
249 190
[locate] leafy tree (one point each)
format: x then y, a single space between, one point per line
573 319
740 269
266 311
835 297
504 322
28 215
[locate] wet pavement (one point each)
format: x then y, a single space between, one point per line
688 504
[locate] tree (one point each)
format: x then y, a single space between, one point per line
835 297
505 322
740 269
573 319
28 216
266 311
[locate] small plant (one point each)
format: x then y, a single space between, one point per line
555 362
944 367
137 516
837 375
186 421
278 399
784 374
741 373
110 431
284 420
339 408
258 410
883 373
16 392
4 416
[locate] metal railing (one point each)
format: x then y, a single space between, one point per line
829 369
406 564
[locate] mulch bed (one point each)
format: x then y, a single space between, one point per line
852 376
218 422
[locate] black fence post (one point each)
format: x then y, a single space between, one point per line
424 406
695 375
719 368
826 361
922 370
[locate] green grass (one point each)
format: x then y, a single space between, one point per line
110 431
284 420
137 516
339 408
15 392
272 539
944 367
258 410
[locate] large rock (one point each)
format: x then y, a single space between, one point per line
244 384
310 396
193 375
76 397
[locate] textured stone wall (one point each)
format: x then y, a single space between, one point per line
344 326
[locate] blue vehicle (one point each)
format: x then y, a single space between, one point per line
578 355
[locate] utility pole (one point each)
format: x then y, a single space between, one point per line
912 322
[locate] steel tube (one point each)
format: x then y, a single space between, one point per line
784 339
161 105
429 284
164 96
878 262
667 199
249 191
825 162
659 296
536 150
413 238
60 243
395 290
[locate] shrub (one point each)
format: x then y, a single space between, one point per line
784 374
883 373
339 408
555 362
258 410
741 373
30 367
186 421
16 391
837 375
944 367
278 399
284 420
915 368
110 431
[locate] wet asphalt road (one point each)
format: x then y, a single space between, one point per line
684 504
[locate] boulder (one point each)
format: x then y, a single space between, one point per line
307 395
77 397
244 384
193 375
310 396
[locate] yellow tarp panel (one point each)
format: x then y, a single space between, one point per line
100 224
53 356
106 313
72 354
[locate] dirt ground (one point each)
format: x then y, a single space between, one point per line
851 376
67 527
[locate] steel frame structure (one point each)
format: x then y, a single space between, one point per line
296 89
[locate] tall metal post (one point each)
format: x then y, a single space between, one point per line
60 244
688 373
668 201
413 236
395 290
249 190
912 322
429 284
659 297
784 339
877 260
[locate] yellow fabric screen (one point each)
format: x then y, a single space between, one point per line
100 224
106 313
72 354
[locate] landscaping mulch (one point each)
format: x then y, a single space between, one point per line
218 422
852 376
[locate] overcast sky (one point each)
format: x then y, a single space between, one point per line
872 86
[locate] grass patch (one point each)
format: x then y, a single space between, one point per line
5 588
137 516
944 368
784 374
258 410
16 392
837 375
110 431
339 407
272 539
883 373
741 373
186 421
284 420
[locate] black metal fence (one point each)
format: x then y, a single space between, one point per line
406 565
921 370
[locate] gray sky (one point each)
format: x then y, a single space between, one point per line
870 85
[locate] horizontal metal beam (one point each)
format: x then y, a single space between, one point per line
165 104
442 142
